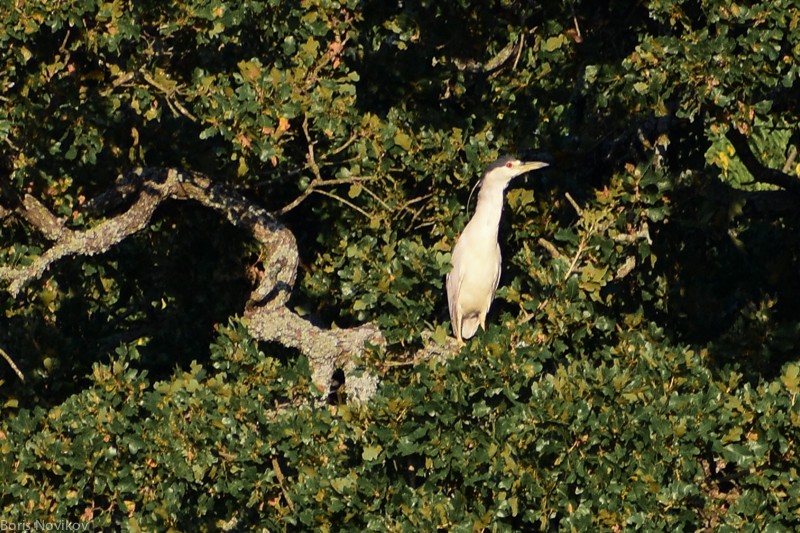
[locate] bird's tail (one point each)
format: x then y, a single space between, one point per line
469 326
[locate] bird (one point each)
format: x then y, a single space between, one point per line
476 259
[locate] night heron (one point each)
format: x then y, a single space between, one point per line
476 257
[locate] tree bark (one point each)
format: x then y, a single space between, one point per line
266 313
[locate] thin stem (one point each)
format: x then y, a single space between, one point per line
12 365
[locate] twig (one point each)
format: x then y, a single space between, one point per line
279 474
319 181
528 315
416 212
311 163
310 157
396 364
346 181
329 57
584 240
169 96
297 201
345 144
406 206
122 79
12 365
551 249
578 254
574 204
519 51
426 224
342 200
314 187
790 160
578 36
377 198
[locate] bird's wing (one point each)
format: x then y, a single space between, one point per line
496 280
454 278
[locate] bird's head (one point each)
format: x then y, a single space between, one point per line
502 171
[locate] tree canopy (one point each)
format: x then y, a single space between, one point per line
224 231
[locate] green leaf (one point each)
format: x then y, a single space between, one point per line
370 453
355 190
791 378
554 43
403 140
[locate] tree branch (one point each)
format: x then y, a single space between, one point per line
319 181
760 172
90 242
326 349
492 63
280 268
265 313
38 216
12 365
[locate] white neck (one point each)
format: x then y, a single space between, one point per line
489 208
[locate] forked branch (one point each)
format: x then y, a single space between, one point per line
265 313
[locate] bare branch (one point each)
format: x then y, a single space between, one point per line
169 96
551 249
315 184
574 204
642 233
578 253
626 268
297 201
12 365
125 186
276 467
377 198
519 51
345 144
348 203
492 63
584 240
280 268
319 181
790 160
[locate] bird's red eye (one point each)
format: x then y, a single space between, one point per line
509 164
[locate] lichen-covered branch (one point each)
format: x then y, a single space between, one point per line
280 267
89 242
42 219
326 349
265 313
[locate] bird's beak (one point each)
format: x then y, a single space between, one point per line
532 165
